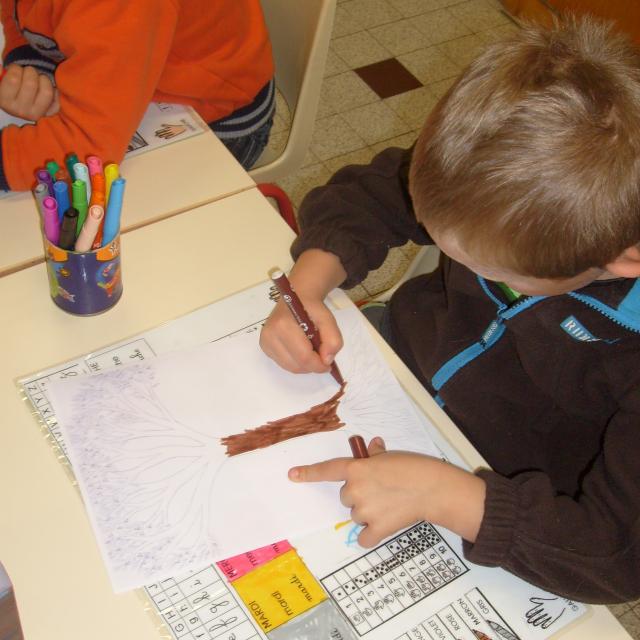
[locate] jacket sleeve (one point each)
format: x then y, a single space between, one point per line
361 213
115 53
12 37
584 547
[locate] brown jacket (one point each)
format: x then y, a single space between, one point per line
547 389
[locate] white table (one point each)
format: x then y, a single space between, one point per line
161 183
169 269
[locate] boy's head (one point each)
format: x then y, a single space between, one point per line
531 162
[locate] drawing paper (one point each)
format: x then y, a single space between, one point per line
161 492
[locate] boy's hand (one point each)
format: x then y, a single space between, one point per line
315 273
392 490
283 340
27 94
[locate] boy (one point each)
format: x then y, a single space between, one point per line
527 176
110 58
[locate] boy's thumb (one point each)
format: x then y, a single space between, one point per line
376 446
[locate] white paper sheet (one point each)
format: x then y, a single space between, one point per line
163 496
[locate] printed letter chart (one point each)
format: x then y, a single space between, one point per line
416 585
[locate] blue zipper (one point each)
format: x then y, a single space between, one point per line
490 336
626 315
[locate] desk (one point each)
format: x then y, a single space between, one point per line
160 184
170 268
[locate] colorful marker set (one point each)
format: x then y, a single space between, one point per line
80 203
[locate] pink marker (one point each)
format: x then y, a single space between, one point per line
95 165
90 228
50 219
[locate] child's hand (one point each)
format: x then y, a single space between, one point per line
315 273
27 94
392 490
284 341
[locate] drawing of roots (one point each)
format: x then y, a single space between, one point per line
320 418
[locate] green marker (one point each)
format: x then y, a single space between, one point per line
70 160
79 200
53 167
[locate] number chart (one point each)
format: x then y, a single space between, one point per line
201 606
393 577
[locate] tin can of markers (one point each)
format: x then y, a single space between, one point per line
84 284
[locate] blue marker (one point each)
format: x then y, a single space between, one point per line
61 194
114 208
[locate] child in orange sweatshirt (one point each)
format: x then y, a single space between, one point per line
86 70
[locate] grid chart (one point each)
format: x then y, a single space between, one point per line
471 616
393 577
201 606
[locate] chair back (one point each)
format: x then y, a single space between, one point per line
300 31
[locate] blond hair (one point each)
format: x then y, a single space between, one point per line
532 159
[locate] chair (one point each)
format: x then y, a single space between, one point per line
300 31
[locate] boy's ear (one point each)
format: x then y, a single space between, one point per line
627 264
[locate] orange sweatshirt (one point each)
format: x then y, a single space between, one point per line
113 57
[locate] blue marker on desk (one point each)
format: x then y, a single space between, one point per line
61 194
114 208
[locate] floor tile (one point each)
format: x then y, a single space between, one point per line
298 184
334 64
358 293
463 50
360 156
388 274
631 622
372 13
404 142
441 87
360 49
334 136
496 34
478 15
346 91
388 78
414 106
410 8
400 37
345 23
376 122
279 125
429 65
440 26
282 109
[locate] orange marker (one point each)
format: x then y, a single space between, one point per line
63 176
97 189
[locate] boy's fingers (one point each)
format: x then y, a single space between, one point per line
43 97
376 446
370 537
334 470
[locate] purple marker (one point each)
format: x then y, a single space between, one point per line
51 222
43 176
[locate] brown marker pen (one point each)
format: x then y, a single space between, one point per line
358 447
292 301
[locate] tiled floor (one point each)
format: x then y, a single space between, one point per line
389 61
364 108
